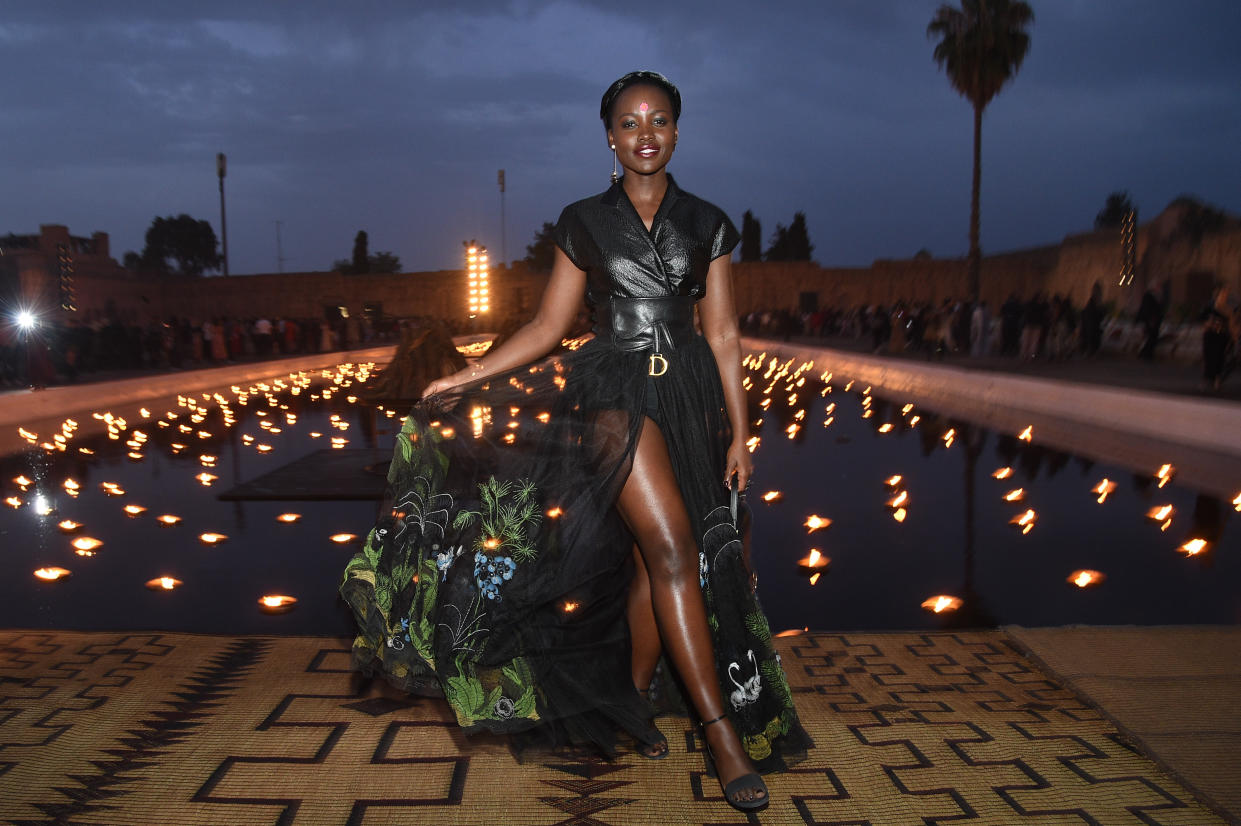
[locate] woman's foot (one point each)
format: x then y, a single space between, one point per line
655 745
743 788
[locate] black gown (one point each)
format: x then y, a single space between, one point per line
497 573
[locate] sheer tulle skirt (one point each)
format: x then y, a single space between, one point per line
498 569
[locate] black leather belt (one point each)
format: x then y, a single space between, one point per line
656 324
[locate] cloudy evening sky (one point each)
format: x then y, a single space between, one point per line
394 117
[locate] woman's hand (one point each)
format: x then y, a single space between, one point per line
738 462
442 384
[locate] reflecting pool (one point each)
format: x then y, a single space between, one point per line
904 508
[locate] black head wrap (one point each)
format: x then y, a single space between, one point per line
638 79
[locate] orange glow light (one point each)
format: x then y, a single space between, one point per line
899 500
570 607
1165 474
206 478
1027 434
23 482
1015 495
134 510
343 538
1085 578
942 603
86 543
163 583
892 481
814 578
211 538
1104 488
554 513
1193 547
13 502
1161 513
1002 473
814 561
276 603
816 523
168 519
69 526
288 518
52 574
1024 521
772 496
899 514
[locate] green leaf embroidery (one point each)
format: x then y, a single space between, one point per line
407 448
757 625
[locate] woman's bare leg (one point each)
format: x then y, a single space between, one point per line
643 632
651 505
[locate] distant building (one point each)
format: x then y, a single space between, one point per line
30 265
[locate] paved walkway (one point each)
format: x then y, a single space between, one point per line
147 728
1179 377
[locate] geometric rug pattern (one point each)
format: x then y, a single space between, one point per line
153 728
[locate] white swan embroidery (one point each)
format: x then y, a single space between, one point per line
748 691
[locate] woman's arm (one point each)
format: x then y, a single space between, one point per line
537 337
718 314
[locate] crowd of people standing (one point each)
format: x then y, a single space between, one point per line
1043 326
67 351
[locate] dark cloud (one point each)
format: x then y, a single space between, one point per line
394 117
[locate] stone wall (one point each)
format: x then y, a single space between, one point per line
1069 268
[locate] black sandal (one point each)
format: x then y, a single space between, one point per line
655 748
745 781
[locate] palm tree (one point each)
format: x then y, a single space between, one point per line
981 46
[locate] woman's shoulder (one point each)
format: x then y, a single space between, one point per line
588 204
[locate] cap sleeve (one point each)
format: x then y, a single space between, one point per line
569 236
725 238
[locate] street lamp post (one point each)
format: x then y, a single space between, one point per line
221 164
503 241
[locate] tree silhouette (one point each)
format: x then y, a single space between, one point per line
751 238
981 46
1118 205
541 253
361 258
383 262
791 243
180 245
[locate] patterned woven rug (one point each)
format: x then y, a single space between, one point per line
153 728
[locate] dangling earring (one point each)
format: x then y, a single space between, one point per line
615 177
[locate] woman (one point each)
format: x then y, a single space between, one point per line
516 601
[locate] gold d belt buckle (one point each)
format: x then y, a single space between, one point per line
659 365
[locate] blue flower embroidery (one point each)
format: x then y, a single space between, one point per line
490 572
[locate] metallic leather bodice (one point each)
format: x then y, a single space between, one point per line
605 237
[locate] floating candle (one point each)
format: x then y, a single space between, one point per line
941 603
276 603
1193 547
1085 578
816 523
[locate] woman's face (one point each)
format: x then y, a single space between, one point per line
642 129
